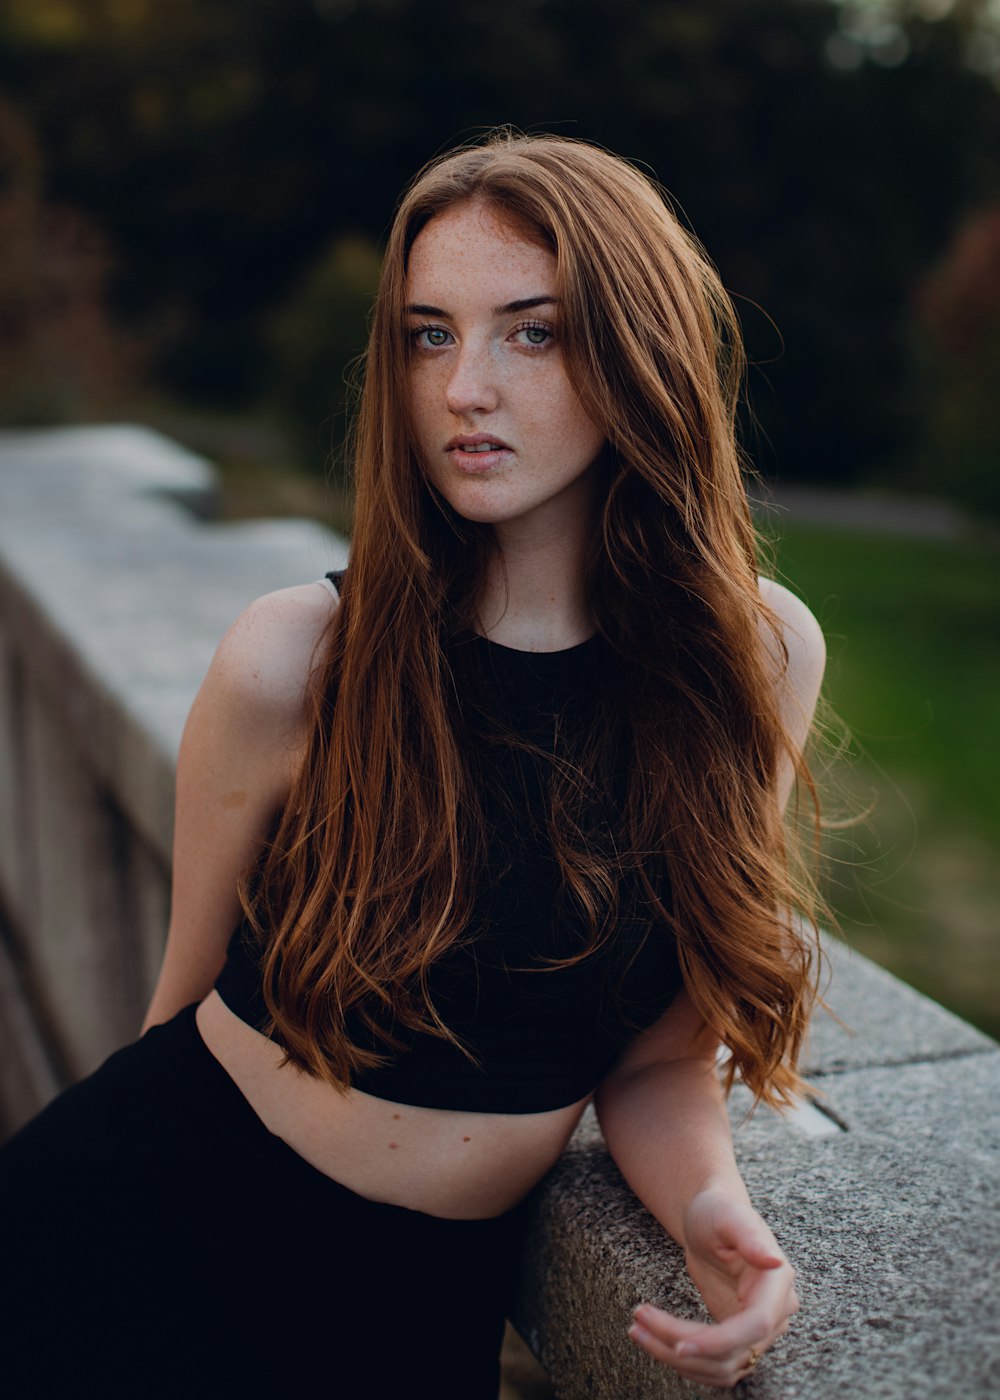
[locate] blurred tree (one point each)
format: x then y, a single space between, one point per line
957 349
62 357
318 336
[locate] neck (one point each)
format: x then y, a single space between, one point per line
534 598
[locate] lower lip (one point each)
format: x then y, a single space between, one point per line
472 463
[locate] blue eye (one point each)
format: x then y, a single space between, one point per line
437 336
535 334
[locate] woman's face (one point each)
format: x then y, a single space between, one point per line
499 427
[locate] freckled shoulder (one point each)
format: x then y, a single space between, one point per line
264 661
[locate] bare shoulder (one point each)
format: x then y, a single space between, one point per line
239 754
800 632
798 680
264 661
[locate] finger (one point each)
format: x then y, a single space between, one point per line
715 1341
752 1242
728 1341
771 1291
700 1369
665 1352
740 1228
761 1317
706 1369
665 1326
763 1255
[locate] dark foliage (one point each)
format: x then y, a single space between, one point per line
225 148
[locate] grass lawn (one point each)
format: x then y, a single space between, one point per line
913 632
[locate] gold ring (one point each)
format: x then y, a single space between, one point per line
753 1358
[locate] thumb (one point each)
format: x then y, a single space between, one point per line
745 1234
762 1254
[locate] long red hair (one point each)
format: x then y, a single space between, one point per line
368 878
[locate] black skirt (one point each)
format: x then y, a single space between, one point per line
157 1241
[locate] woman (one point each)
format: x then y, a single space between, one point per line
497 815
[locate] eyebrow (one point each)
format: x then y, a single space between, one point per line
509 308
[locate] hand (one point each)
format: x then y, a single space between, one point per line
748 1287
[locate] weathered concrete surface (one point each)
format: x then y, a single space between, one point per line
894 1224
113 597
885 1021
124 595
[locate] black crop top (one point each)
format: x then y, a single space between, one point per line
543 1037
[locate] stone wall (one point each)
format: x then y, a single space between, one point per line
115 587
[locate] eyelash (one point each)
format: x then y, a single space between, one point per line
524 326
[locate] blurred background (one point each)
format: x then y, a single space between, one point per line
192 198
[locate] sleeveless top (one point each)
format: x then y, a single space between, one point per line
543 1037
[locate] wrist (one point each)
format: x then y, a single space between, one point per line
725 1188
716 1196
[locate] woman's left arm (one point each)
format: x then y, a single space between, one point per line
664 1117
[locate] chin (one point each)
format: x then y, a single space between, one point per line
483 506
482 515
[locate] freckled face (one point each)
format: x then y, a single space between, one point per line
499 427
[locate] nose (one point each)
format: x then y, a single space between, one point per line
472 385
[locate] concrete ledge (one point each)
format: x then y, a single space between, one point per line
113 597
885 1022
115 592
894 1224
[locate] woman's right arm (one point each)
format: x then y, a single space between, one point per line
241 744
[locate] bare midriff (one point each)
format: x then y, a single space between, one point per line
445 1162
